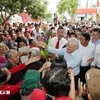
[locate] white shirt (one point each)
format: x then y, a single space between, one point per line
73 60
97 56
66 29
87 53
54 40
37 33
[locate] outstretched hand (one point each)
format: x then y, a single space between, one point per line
33 59
71 74
42 45
80 87
44 68
47 65
90 60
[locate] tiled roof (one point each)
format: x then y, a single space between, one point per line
27 18
86 11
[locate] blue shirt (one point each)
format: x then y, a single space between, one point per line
73 60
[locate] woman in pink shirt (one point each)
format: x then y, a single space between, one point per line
3 60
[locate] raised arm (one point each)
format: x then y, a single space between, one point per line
22 66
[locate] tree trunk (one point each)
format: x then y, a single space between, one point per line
2 17
5 19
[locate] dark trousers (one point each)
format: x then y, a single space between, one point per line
76 81
83 70
97 67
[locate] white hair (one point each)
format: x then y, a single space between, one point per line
34 52
74 41
9 53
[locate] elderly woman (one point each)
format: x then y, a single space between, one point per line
13 58
6 75
36 65
13 61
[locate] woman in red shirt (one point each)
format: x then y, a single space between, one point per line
7 90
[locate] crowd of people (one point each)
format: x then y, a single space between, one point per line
63 61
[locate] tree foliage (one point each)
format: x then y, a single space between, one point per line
34 7
67 5
62 17
48 16
37 8
9 8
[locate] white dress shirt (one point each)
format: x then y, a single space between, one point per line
95 43
97 56
87 53
54 40
73 60
37 33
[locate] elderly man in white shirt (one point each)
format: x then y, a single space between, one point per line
96 61
87 50
71 55
59 41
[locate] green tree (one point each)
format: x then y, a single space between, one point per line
34 7
8 8
48 16
37 8
62 17
67 5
